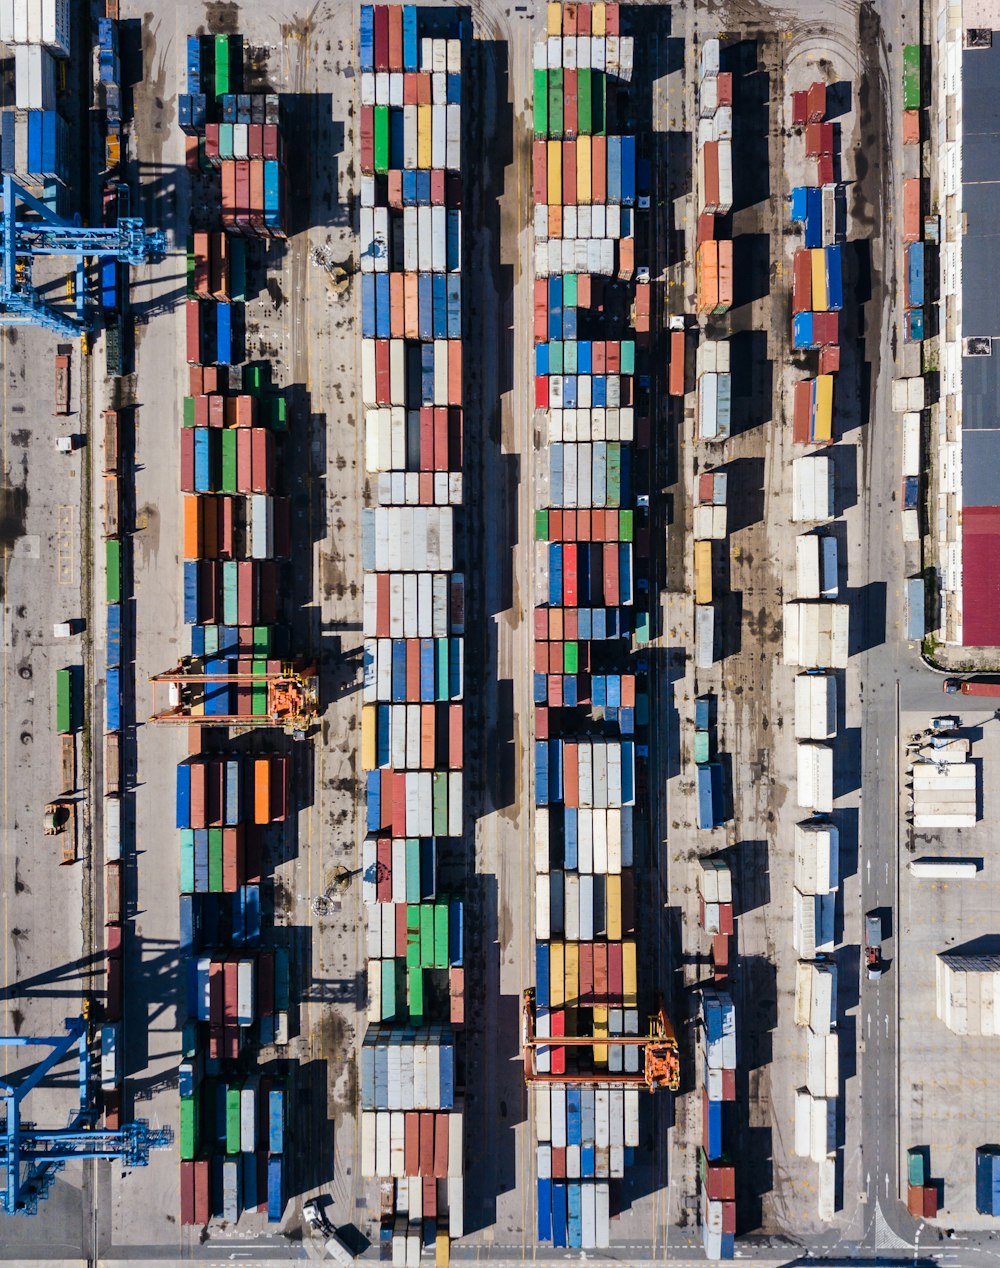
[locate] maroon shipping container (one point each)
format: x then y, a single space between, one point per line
271 142
279 788
729 1085
202 269
199 795
113 940
256 205
228 192
196 380
426 497
113 999
242 205
426 1144
192 313
438 187
430 1196
212 143
267 592
424 88
729 1217
112 1104
187 1193
381 37
724 89
262 460
825 328
233 855
411 1143
367 139
800 109
216 411
824 169
558 1163
202 1191
255 140
720 1182
802 413
382 371
455 719
615 974
229 993
829 359
802 281
383 870
244 460
816 103
187 460
226 525
245 591
600 972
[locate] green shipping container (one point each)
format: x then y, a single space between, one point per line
233 1118
584 102
701 746
187 861
626 526
555 103
415 995
541 104
426 935
614 474
66 711
598 100
541 526
190 1125
412 870
259 705
229 460
261 640
255 378
222 65
412 936
211 640
556 357
215 860
571 658
569 290
230 602
113 569
189 411
915 1169
225 140
440 822
641 627
278 412
441 935
628 356
570 361
388 989
381 138
911 77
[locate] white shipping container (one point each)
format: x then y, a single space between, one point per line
456 1209
813 923
827 1199
812 488
911 443
817 857
369 1144
815 777
807 548
704 636
803 1123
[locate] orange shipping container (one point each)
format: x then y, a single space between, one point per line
262 790
411 310
192 527
427 737
676 384
725 274
397 304
911 127
626 266
708 277
555 222
599 170
911 210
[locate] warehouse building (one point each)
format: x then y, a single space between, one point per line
968 422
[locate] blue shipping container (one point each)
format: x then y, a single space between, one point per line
113 700
114 652
814 219
182 802
275 1189
276 1120
202 460
411 61
224 333
369 328
544 1210
800 204
915 275
834 278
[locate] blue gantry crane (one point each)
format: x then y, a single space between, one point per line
22 240
31 1156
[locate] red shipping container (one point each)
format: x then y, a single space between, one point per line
571 769
911 127
541 722
600 972
829 359
569 12
800 109
611 20
556 534
438 184
726 919
262 460
539 173
426 1144
554 688
724 89
270 146
598 354
187 460
382 605
217 410
454 372
430 1194
382 371
541 658
413 669
113 940
614 354
558 1162
816 103
426 488
814 140
541 311
381 37
706 228
598 171
720 1182
802 412
409 88
233 854
113 998
584 526
229 993
383 870
710 193
411 1143
455 716
395 37
802 281
611 598
825 328
569 533
569 575
199 794
729 1085
911 210
557 1026
930 1201
202 1191
426 455
441 1146
424 89
211 142
226 525
541 391
824 170
915 1200
720 951
615 974
541 623
570 624
729 1217
196 380
243 191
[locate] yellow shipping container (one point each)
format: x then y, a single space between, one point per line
554 18
613 902
369 726
572 981
442 1249
600 1032
555 172
703 572
820 299
583 156
823 426
424 151
597 19
557 974
630 992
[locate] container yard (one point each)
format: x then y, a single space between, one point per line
497 480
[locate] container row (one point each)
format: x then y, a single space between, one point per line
428 440
412 736
217 792
420 306
411 1144
254 527
408 539
409 242
410 138
413 375
585 574
413 605
411 87
231 592
228 459
416 669
600 170
396 990
592 525
585 773
414 803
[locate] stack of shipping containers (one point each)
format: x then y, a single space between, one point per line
230 805
591 707
817 304
33 134
410 260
